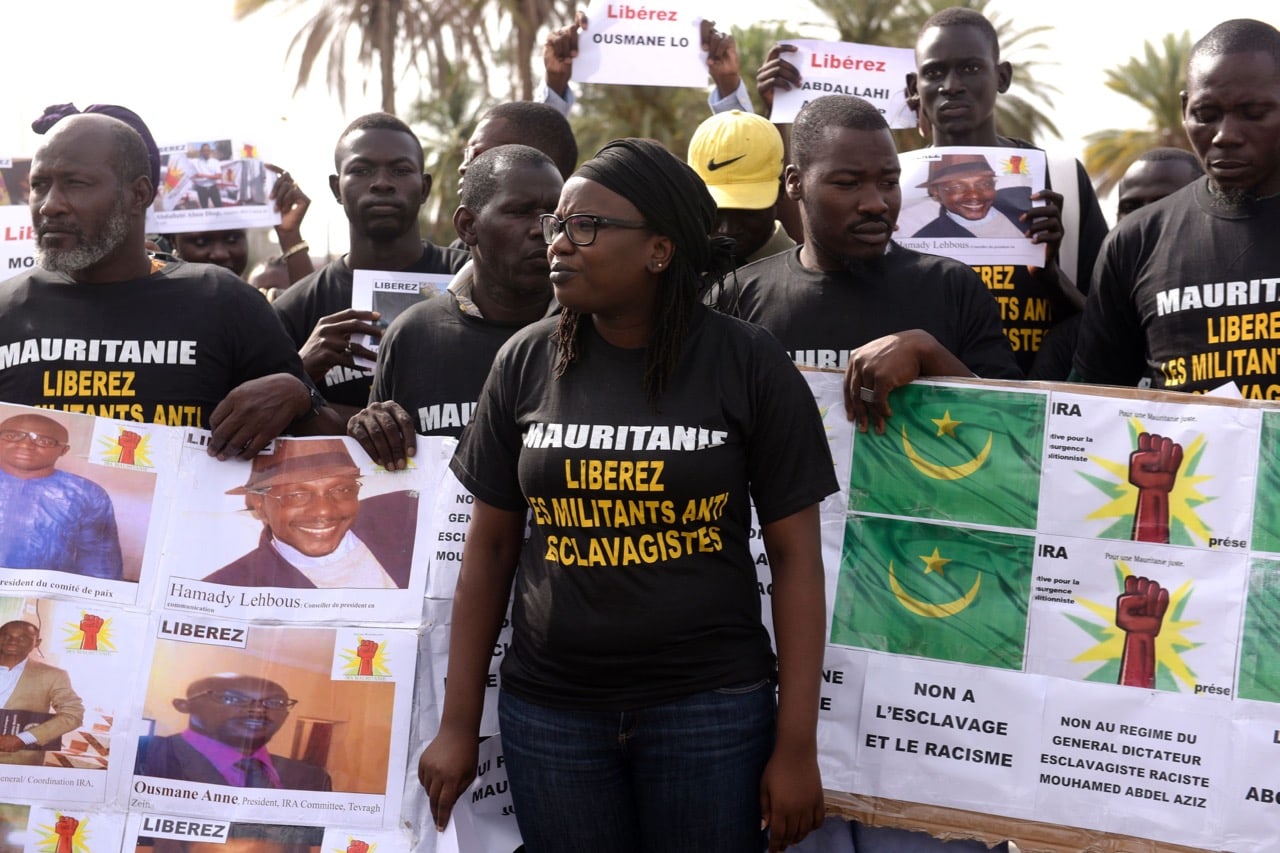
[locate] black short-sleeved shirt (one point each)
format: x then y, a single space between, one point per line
165 348
433 361
1187 297
820 316
639 586
328 291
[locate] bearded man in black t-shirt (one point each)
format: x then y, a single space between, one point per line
103 328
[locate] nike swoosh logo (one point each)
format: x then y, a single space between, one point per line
712 165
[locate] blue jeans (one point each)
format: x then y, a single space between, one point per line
684 776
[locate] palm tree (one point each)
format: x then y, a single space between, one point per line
896 23
1154 80
445 121
430 32
527 17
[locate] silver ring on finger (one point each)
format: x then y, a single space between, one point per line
867 395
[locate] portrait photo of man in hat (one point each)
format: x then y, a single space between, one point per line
969 203
316 532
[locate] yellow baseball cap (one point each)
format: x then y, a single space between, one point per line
739 157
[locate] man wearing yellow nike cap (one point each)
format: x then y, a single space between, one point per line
739 157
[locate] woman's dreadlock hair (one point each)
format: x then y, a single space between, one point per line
675 203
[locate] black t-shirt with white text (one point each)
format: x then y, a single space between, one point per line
165 348
638 585
820 316
433 361
1186 297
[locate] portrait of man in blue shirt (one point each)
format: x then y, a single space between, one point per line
51 519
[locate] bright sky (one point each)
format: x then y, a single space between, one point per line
193 72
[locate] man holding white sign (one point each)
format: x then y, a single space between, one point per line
381 186
436 356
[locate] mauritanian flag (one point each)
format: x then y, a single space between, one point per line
954 454
1266 505
1260 640
934 591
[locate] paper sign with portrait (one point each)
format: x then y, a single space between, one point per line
390 294
967 203
68 713
82 503
309 531
242 721
212 185
17 237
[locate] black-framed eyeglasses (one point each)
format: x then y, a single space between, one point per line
299 499
13 436
239 700
580 228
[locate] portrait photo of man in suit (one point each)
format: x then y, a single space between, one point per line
231 718
964 186
37 703
316 531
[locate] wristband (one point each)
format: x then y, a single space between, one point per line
299 247
317 401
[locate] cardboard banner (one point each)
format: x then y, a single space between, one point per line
68 701
179 833
873 73
639 44
63 828
322 712
965 203
1052 605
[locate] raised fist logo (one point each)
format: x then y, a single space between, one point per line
366 652
128 441
90 625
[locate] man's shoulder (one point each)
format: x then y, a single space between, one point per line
333 275
440 260
81 484
530 341
261 567
400 501
37 669
1139 232
768 267
301 775
440 308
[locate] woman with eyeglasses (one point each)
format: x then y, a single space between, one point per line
638 708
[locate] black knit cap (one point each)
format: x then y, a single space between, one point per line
669 195
57 112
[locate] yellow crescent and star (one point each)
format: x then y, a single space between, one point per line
933 564
946 427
